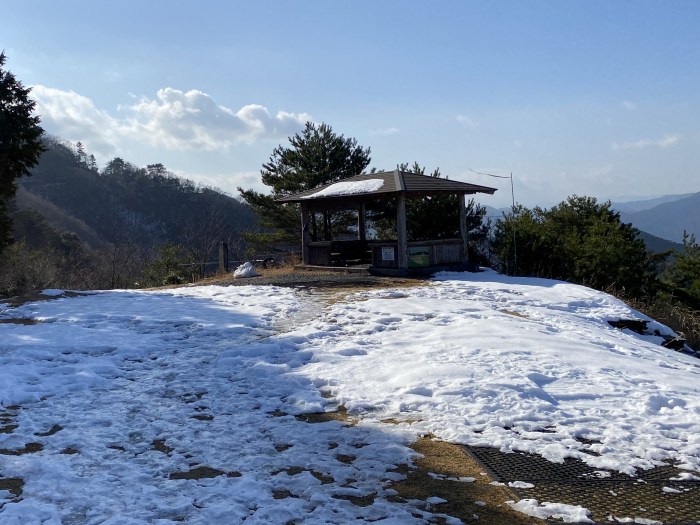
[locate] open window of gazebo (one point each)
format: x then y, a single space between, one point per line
398 256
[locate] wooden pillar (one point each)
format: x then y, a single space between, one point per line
223 257
402 233
305 232
362 222
463 233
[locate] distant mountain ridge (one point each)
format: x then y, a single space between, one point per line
667 218
647 204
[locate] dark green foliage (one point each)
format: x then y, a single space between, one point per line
682 277
579 240
20 142
314 157
431 217
30 227
169 266
22 269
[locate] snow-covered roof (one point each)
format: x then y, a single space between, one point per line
367 186
343 188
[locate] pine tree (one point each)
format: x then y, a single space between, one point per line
316 156
578 240
20 142
429 217
682 277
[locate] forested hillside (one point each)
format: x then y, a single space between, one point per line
78 226
123 203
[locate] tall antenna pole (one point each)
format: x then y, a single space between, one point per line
512 194
515 247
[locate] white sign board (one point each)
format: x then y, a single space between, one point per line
387 253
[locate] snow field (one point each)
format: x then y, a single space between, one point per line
519 364
200 371
133 395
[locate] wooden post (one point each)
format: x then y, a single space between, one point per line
223 257
305 233
402 233
361 222
463 233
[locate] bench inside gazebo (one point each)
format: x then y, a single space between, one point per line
395 256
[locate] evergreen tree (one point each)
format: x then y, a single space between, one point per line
682 277
92 163
316 156
579 240
82 155
20 141
429 217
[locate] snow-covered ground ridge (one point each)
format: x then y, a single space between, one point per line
481 359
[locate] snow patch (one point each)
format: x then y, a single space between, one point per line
348 188
545 510
246 270
520 485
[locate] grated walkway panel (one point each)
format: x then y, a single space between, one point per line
608 495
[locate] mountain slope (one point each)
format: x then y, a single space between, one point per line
657 244
124 204
670 219
646 204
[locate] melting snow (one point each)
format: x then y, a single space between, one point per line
130 392
348 188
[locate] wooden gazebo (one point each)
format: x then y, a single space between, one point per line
397 256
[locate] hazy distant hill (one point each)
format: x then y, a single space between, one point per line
668 220
122 203
657 244
646 204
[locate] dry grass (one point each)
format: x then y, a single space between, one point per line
36 296
680 318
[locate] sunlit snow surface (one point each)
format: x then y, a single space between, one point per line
348 188
217 373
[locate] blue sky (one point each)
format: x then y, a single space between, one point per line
596 98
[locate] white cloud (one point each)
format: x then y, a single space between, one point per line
74 117
629 105
227 181
467 122
174 119
382 132
664 142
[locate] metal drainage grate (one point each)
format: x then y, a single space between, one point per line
651 495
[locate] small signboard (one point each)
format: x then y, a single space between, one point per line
388 253
419 256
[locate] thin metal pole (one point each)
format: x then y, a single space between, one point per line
515 247
512 194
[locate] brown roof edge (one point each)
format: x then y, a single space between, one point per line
396 182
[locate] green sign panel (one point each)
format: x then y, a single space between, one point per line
418 256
